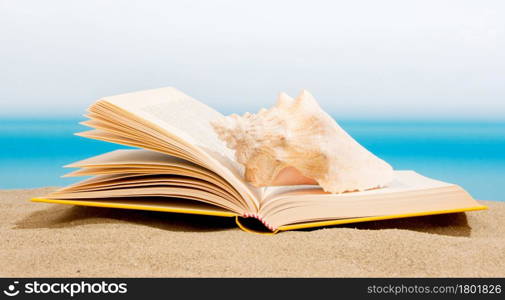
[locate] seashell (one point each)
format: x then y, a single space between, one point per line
296 142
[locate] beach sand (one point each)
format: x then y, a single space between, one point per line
53 240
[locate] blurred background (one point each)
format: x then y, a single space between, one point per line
419 83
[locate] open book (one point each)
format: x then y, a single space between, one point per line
183 167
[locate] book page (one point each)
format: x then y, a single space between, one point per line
170 191
186 117
188 120
408 193
403 181
125 167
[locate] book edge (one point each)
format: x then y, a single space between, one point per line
378 218
135 207
244 228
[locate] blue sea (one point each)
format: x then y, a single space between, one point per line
471 154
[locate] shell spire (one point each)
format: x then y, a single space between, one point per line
296 142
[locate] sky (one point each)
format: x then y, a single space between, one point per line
360 59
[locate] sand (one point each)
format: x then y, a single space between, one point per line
53 240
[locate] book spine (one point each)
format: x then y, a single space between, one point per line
259 218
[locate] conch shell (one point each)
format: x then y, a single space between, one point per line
296 142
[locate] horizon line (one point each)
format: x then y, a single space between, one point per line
385 118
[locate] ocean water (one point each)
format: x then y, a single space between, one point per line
471 154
